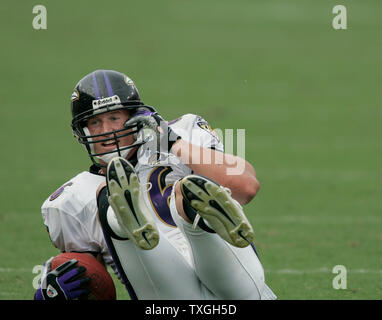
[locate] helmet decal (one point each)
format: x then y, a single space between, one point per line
75 95
128 81
106 102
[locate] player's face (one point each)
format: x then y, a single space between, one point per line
106 122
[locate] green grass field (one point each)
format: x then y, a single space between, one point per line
308 96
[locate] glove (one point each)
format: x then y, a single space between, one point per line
165 136
66 282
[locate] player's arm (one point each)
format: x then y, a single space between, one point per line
228 170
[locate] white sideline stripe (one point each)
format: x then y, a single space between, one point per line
7 294
275 271
320 270
5 270
320 219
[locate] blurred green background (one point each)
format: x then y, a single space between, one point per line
307 95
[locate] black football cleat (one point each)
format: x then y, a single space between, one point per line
219 210
126 199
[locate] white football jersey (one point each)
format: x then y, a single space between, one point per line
70 214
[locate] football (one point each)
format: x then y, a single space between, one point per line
101 284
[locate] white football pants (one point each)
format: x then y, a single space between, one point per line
191 264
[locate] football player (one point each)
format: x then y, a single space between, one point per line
157 203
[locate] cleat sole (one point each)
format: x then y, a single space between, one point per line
128 205
218 209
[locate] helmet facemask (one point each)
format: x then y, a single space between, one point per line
82 133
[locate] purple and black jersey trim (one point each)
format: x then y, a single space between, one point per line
103 205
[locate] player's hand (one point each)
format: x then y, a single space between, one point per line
165 136
66 282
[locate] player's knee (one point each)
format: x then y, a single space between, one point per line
179 202
250 189
178 198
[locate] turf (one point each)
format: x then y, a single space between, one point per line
307 95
